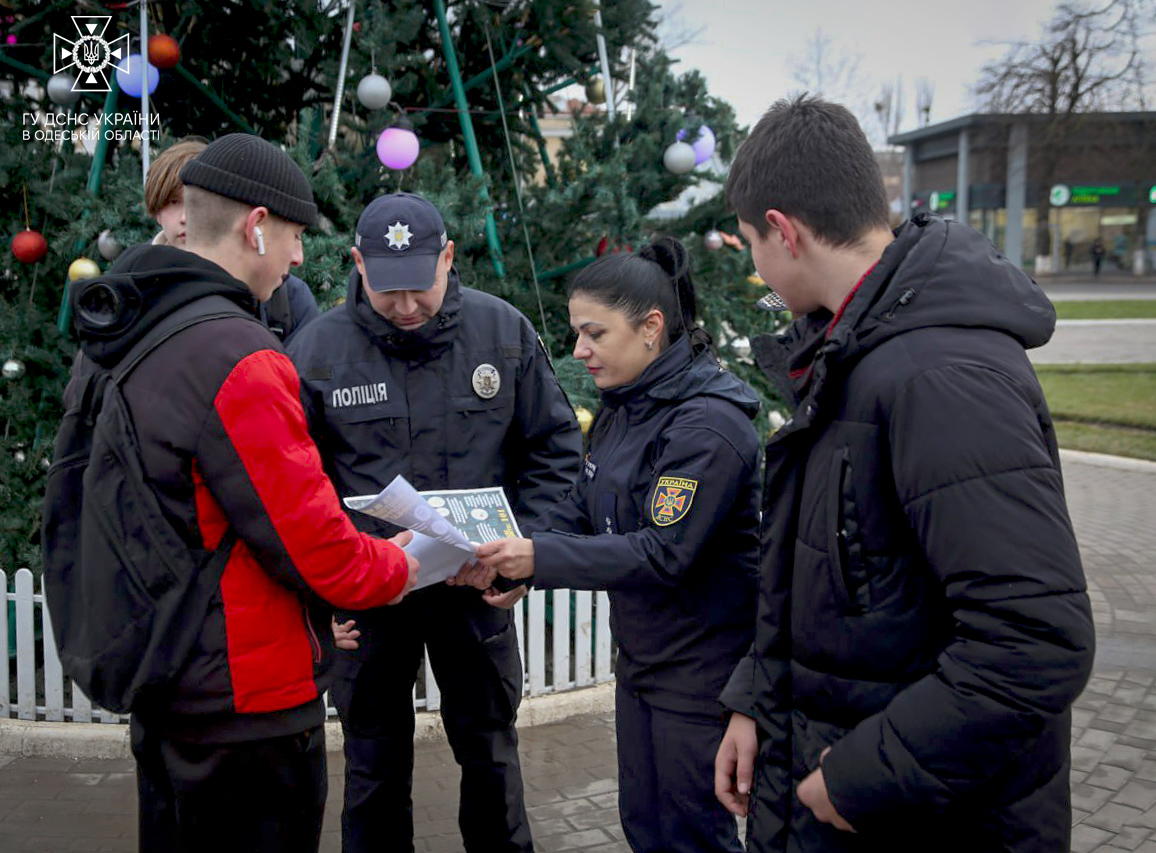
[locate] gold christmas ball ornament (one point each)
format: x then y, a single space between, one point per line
585 418
83 268
756 279
596 91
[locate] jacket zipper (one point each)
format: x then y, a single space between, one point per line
314 640
904 299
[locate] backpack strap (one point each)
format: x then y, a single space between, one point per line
212 307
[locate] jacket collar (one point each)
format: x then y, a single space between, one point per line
419 344
669 363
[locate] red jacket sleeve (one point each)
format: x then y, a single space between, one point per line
260 464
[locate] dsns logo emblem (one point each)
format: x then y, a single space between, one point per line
90 54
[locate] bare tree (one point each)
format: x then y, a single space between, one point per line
1089 59
924 95
825 69
889 107
673 30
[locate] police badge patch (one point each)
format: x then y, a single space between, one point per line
672 499
486 381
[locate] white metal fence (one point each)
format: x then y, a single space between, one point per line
570 649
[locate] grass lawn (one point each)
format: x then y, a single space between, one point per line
1117 441
1108 309
1103 408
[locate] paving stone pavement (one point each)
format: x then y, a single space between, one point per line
1114 721
569 768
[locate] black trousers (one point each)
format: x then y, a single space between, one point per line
473 651
666 779
261 796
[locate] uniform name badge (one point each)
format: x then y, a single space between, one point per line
672 499
486 381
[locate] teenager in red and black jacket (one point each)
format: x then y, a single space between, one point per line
235 754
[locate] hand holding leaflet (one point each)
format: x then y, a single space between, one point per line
446 523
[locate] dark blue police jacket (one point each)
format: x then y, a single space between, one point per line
466 401
665 517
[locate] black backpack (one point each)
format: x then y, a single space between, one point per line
126 593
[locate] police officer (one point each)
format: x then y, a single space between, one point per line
417 375
665 518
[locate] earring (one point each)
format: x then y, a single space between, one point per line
650 344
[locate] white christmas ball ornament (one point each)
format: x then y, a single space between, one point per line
60 90
374 92
19 456
108 245
678 158
713 240
13 368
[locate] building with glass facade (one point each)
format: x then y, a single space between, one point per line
1043 188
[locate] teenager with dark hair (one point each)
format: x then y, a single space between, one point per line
923 623
665 519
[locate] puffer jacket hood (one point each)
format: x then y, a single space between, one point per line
936 273
951 276
113 311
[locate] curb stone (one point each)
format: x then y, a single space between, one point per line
1103 460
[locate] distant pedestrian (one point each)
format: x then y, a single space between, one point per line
1069 247
1097 255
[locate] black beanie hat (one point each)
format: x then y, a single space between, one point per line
246 168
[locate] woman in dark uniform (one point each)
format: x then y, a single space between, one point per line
664 517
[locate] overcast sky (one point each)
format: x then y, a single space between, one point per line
745 46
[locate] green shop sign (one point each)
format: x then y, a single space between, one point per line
1152 195
941 200
1091 195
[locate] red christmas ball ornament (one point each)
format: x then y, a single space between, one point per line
613 247
29 246
164 52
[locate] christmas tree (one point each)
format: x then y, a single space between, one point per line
476 81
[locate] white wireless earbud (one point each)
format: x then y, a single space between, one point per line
260 240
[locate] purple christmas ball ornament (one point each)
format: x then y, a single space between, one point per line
397 147
703 144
